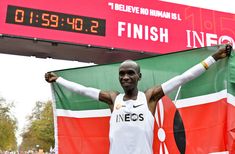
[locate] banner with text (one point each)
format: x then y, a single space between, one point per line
144 26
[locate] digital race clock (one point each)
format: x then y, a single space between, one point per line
55 20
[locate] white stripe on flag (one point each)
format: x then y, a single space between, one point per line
55 120
199 100
193 101
231 99
83 113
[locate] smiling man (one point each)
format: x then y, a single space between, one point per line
132 118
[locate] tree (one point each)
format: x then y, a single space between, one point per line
40 130
8 126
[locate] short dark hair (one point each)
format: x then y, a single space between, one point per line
133 62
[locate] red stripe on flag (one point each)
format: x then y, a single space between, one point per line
231 128
205 127
83 135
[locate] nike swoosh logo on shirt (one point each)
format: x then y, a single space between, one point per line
135 106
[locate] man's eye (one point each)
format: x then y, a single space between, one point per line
131 73
121 73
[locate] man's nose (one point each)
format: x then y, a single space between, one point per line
126 77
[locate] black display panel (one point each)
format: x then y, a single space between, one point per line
55 20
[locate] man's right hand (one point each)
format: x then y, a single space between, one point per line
50 77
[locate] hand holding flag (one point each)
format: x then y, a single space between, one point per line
222 52
50 77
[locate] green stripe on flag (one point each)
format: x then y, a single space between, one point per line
155 70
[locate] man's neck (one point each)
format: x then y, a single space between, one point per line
131 94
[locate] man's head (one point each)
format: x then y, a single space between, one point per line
129 75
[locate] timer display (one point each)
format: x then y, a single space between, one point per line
55 20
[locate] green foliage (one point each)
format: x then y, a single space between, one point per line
40 130
7 127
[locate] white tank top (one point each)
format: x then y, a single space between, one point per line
131 126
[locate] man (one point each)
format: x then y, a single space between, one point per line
132 118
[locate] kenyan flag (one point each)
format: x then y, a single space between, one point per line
198 118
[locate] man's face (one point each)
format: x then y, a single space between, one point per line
128 75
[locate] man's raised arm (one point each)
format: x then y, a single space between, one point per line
196 70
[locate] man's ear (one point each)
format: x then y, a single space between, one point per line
140 76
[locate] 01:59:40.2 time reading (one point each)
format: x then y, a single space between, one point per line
54 20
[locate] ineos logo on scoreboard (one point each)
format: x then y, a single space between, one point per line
201 39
